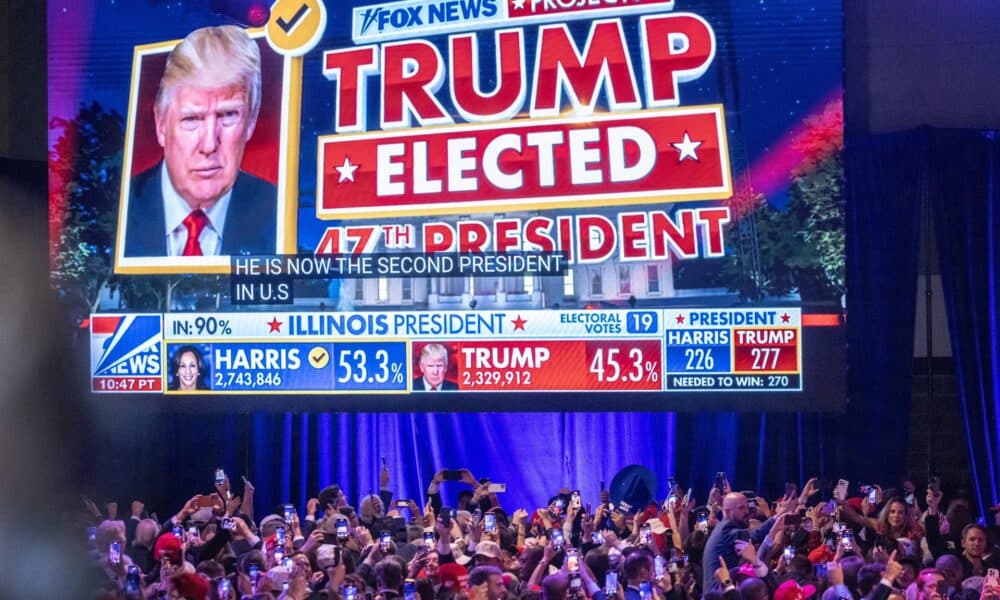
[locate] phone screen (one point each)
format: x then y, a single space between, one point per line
557 538
611 583
341 529
659 566
280 533
489 522
132 584
385 540
645 534
572 561
446 516
350 592
220 477
429 540
409 590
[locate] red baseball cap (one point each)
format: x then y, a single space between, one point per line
791 591
167 545
453 576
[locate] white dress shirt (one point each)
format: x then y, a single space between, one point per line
176 209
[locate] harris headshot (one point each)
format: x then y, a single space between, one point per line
188 371
433 369
196 199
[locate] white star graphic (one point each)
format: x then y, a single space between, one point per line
687 148
347 170
519 4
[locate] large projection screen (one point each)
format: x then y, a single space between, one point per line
452 204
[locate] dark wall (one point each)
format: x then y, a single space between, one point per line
23 108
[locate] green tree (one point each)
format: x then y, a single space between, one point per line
85 182
85 177
817 197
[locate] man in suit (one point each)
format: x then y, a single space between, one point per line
197 201
433 367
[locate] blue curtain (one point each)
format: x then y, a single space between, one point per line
164 459
965 187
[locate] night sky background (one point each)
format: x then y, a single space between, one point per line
787 57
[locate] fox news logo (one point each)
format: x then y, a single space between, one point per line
421 17
126 345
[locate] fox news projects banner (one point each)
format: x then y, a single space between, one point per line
501 199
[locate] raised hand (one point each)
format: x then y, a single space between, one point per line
892 568
722 573
383 476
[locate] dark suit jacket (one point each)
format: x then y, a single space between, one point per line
446 385
250 225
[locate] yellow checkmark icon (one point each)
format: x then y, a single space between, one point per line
296 26
319 357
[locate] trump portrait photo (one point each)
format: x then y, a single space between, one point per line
202 155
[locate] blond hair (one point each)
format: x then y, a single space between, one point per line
213 57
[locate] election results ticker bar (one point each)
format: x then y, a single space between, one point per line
652 350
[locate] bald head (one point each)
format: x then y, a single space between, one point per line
735 507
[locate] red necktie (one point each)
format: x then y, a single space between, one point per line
194 223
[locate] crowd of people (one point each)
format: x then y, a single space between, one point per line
823 541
